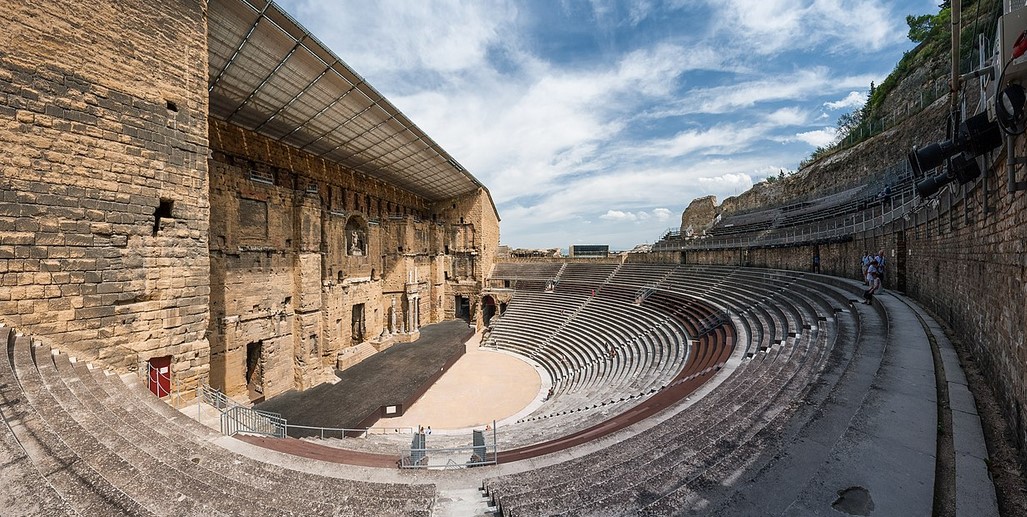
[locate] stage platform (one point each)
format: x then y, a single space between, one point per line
397 376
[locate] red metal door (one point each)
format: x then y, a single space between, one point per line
159 375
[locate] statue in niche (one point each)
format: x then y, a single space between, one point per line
392 316
356 243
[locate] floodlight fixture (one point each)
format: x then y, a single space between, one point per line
962 167
975 136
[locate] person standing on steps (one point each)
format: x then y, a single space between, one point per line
880 264
873 280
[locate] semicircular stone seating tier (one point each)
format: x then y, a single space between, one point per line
79 441
787 325
604 353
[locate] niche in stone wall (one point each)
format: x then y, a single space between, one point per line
357 322
254 370
252 220
163 211
356 237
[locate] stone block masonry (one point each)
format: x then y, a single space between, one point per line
134 226
311 263
103 179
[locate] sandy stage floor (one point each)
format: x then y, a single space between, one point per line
482 386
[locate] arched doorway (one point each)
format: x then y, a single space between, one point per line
488 309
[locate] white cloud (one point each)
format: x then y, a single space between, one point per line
768 27
818 137
798 86
658 214
852 100
560 139
617 215
441 35
792 116
716 139
730 180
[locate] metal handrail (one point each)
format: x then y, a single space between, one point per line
236 417
364 431
240 419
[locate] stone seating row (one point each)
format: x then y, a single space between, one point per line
515 271
708 487
618 480
715 435
651 346
588 274
102 446
587 337
605 405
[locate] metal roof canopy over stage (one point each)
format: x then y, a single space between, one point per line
269 75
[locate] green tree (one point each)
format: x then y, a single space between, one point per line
920 27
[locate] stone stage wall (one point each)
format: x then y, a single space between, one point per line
135 227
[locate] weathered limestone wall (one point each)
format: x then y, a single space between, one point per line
314 266
103 125
470 241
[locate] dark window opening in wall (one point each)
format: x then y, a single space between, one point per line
462 307
163 210
342 275
172 107
447 249
461 220
265 177
357 322
254 370
400 248
374 274
445 275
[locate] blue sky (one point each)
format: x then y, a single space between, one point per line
599 121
